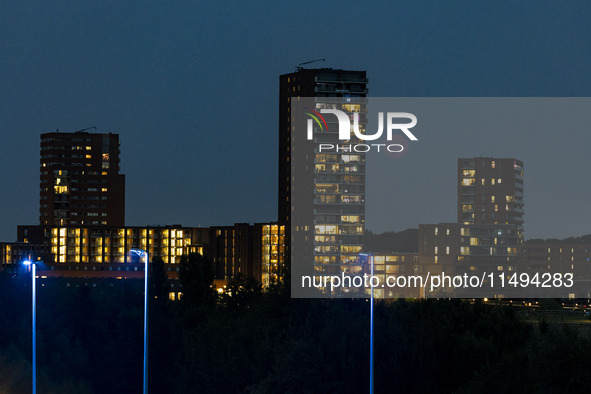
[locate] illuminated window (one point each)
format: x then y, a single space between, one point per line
350 249
352 107
61 189
320 167
351 158
352 230
392 269
327 188
492 164
492 181
467 181
325 158
327 229
351 199
350 169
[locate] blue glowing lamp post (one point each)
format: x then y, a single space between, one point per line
370 256
33 275
144 253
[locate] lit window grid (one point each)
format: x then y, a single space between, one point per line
273 248
338 196
83 245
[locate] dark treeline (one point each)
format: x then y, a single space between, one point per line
406 241
583 239
90 341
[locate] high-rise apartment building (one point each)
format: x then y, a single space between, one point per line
489 231
323 82
80 180
331 186
490 191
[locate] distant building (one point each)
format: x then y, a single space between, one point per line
243 250
490 191
558 256
12 254
470 247
90 249
80 180
488 236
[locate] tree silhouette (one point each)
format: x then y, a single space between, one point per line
196 276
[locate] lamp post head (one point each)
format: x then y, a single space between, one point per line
27 262
138 252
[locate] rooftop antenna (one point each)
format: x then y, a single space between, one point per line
88 128
299 66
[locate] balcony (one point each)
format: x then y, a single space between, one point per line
334 78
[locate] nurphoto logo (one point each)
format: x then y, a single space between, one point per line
345 127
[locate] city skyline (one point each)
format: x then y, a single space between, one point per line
448 186
162 78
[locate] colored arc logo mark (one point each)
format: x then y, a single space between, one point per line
315 117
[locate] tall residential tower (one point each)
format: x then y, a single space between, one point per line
490 191
80 180
330 215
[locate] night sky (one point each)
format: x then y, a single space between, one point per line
192 89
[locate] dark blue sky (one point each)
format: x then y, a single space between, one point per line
192 89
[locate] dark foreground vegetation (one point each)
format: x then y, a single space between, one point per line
90 341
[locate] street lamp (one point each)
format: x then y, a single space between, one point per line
141 253
370 256
33 275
